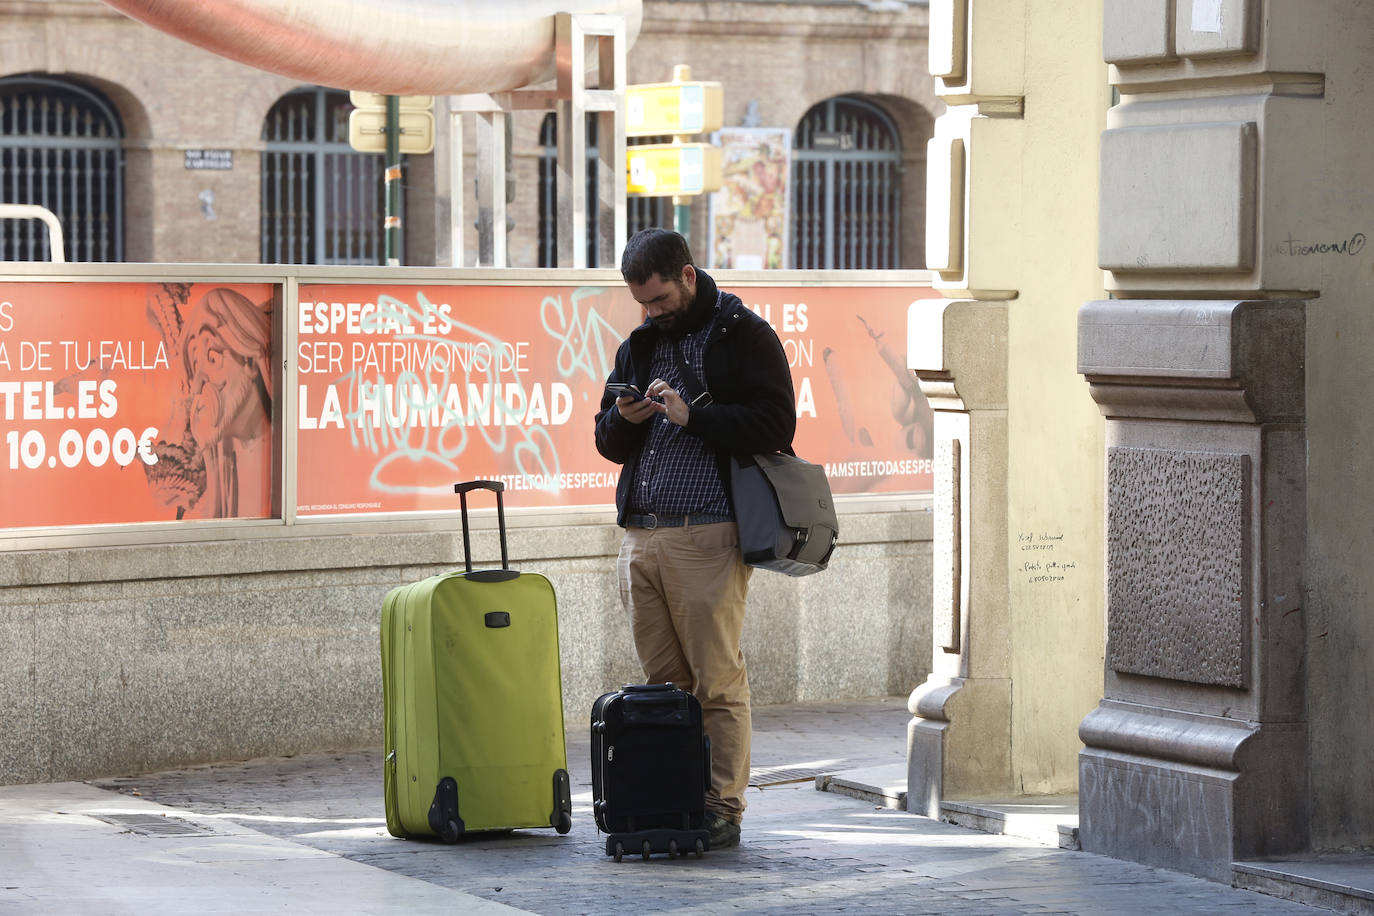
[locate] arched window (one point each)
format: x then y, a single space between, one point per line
640 212
61 147
846 187
322 201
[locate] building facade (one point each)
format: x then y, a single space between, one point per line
154 150
1156 213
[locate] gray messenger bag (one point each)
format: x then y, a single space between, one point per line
783 507
785 513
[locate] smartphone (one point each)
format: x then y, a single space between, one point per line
622 389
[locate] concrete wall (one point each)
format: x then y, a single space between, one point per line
136 658
1316 227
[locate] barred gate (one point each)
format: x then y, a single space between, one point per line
640 212
322 201
846 188
61 147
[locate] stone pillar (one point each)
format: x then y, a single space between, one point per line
959 741
1196 756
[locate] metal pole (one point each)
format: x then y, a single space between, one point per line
392 223
682 218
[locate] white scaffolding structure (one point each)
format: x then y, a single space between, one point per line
571 99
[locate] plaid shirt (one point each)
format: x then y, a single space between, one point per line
677 474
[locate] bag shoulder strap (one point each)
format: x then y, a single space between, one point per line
700 396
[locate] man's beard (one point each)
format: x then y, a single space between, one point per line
673 323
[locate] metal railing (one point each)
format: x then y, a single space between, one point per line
57 251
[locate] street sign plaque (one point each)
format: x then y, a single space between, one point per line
367 131
672 169
653 109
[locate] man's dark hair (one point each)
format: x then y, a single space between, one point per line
654 251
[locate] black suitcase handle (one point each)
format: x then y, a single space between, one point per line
496 486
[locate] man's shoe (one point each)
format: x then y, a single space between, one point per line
720 831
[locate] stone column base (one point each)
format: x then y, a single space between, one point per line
959 742
1188 792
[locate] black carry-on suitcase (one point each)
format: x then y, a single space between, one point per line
473 698
651 766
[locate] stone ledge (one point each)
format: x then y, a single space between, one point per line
308 547
1344 883
1051 820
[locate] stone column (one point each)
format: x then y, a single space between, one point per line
1196 756
959 741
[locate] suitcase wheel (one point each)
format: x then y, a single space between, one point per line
647 850
701 847
672 849
619 851
561 818
443 811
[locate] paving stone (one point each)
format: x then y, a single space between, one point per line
803 851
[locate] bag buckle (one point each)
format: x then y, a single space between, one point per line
702 400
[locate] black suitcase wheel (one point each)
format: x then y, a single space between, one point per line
561 818
444 819
647 850
672 849
619 851
701 847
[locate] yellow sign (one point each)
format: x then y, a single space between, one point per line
652 109
671 170
367 131
378 100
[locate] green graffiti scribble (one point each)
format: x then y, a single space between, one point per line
587 342
413 396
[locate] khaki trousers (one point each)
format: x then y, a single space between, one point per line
685 589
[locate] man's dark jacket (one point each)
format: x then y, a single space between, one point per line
752 408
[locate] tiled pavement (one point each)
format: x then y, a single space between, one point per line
307 834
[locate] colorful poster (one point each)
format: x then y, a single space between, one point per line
135 402
748 221
860 412
405 390
130 402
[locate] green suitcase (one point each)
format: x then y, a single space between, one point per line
473 700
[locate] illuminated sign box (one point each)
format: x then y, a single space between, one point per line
671 170
653 109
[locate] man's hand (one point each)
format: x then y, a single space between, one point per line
636 410
659 398
671 404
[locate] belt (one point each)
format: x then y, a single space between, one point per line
652 520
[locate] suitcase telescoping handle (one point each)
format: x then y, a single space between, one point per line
496 486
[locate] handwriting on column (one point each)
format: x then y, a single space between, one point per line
1041 557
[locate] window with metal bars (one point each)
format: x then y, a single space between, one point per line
640 212
323 202
61 147
846 188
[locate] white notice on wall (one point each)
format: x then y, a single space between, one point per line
1207 16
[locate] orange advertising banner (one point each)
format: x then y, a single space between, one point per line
130 402
405 390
